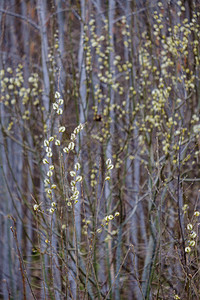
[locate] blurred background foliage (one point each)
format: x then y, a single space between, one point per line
129 72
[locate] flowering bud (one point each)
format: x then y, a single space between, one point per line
60 101
45 161
62 129
46 143
77 166
72 173
187 249
59 111
48 149
189 226
46 181
49 154
35 207
108 162
57 95
73 136
79 178
196 213
110 167
66 150
71 145
49 173
55 106
57 142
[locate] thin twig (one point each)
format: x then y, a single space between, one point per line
118 272
25 19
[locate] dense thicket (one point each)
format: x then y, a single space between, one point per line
99 149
